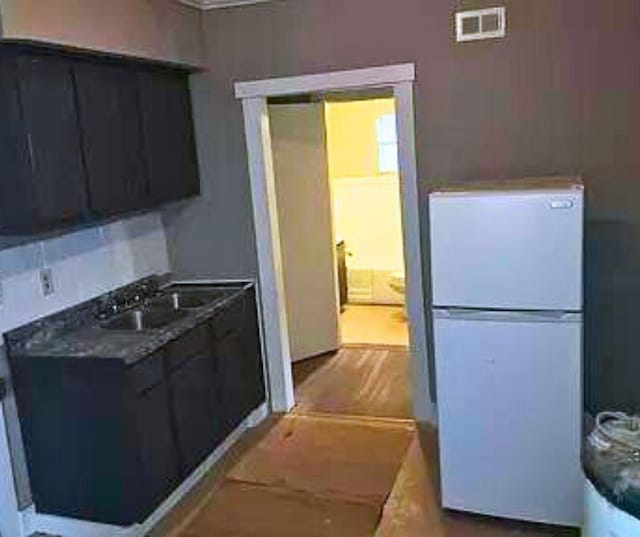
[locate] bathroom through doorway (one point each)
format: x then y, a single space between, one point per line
362 152
337 187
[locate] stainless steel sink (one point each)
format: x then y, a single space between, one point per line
189 299
139 320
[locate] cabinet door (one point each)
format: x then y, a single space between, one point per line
194 397
50 115
111 137
228 352
253 372
15 169
157 451
168 135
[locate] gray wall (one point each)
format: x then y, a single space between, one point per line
559 95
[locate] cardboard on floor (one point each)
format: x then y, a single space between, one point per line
355 460
246 509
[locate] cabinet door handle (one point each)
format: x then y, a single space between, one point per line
32 156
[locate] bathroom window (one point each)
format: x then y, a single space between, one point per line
387 144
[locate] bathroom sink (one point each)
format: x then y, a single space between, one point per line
185 299
139 320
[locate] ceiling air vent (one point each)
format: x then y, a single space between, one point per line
213 4
479 24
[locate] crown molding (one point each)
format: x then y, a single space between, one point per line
217 4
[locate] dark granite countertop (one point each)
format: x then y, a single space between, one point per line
77 333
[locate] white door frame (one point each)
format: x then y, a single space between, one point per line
254 97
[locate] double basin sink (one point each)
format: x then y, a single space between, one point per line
160 311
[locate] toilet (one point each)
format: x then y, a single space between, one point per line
396 282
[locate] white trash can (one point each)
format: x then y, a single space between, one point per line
611 460
603 519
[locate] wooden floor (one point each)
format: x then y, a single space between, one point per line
320 475
359 381
413 508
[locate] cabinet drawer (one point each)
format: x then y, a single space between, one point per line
147 373
229 320
195 342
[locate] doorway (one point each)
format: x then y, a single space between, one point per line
254 95
339 218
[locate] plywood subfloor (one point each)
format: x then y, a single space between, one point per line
361 381
374 325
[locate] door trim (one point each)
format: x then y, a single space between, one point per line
254 94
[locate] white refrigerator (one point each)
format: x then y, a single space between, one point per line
506 263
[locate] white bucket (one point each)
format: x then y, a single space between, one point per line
602 519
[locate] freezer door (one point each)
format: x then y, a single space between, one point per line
513 250
509 405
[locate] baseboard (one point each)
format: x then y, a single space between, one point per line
69 527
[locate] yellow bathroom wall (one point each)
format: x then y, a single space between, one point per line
352 144
365 203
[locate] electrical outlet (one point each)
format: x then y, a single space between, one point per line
46 281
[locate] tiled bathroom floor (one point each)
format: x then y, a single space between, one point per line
374 325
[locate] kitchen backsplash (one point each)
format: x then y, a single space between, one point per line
83 264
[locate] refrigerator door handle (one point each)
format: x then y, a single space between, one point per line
463 314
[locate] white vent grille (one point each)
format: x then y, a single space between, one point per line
479 24
213 4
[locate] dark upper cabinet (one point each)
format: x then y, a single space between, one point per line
85 138
108 106
16 199
168 135
58 181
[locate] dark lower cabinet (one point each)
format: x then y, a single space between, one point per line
159 469
193 394
236 344
252 364
227 350
108 443
77 422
